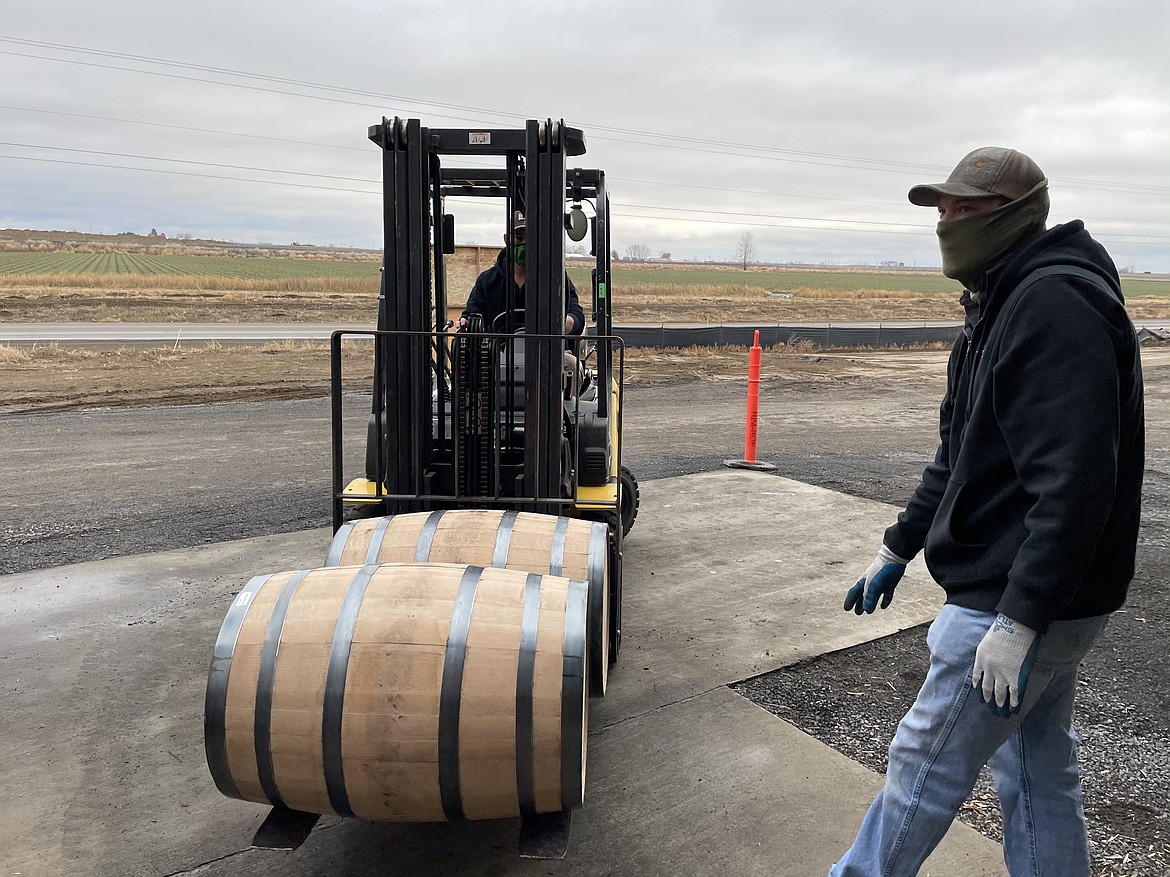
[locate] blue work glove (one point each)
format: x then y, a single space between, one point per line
879 580
1003 662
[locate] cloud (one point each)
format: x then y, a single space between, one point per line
806 123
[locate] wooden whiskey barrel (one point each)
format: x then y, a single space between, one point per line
402 692
489 537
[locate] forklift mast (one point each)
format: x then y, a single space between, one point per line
416 448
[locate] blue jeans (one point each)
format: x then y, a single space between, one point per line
950 733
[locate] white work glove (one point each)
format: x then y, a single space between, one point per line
1003 662
879 580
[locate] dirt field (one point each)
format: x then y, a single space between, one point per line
55 379
31 304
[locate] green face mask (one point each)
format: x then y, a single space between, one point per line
970 246
519 255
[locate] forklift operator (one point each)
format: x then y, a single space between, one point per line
490 294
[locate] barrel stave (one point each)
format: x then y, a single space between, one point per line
466 537
546 696
240 711
298 690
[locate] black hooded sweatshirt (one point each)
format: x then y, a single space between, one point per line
489 296
1031 505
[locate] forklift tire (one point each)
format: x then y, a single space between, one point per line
630 498
357 512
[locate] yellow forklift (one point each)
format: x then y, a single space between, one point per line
439 665
488 416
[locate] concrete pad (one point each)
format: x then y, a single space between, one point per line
712 785
731 574
718 785
728 575
103 671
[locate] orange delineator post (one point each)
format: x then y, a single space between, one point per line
751 433
753 402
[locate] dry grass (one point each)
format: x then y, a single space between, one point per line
98 297
200 299
251 303
126 285
55 353
53 377
137 286
33 241
649 302
666 293
47 378
634 354
10 354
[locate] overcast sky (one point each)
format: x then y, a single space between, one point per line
805 123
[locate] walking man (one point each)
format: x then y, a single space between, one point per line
1027 517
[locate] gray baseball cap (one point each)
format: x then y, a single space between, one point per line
987 172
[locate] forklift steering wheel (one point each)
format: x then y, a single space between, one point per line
501 320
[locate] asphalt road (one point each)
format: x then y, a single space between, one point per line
105 334
168 333
161 333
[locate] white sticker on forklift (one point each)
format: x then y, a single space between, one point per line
479 138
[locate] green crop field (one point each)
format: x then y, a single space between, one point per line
1135 287
201 266
628 276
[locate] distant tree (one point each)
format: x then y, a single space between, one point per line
745 250
154 232
638 252
665 257
615 256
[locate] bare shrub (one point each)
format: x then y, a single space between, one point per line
128 284
9 354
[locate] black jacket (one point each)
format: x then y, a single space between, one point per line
489 296
1031 505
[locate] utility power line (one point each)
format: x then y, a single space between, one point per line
190 128
659 140
635 137
152 170
239 167
367 151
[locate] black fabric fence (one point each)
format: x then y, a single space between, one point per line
772 334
